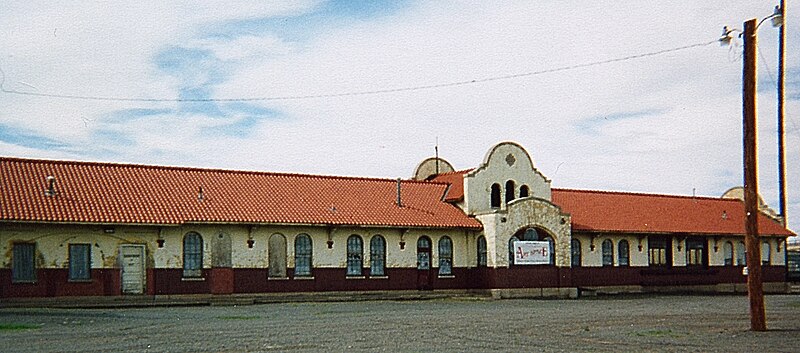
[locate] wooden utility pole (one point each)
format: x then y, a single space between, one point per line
755 290
781 133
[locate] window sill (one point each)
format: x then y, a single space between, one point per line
24 281
303 278
355 277
193 279
447 276
88 280
277 278
378 277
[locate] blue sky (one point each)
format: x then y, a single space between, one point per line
667 124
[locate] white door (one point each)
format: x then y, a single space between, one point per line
132 269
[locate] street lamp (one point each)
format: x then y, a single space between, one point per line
755 289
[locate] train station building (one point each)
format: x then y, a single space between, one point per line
90 229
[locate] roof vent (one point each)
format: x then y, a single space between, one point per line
724 215
200 195
51 186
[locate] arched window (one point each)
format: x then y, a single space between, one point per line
523 191
355 251
509 191
276 255
495 195
377 256
445 256
765 253
727 253
192 255
482 258
741 260
623 253
608 253
575 246
302 255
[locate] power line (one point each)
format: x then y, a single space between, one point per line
357 93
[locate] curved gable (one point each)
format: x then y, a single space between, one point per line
506 164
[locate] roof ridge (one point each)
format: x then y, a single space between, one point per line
207 170
635 193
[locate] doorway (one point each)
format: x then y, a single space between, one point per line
132 268
424 271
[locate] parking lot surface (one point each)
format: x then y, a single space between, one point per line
607 324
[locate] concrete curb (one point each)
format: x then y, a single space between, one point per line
144 301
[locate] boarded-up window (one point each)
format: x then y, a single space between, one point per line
277 256
445 256
608 253
23 266
377 256
80 262
355 251
302 255
192 255
482 258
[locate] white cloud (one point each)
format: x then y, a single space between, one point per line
692 139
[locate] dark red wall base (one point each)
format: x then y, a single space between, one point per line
55 283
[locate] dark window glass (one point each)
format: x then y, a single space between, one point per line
623 253
423 253
523 191
482 258
355 251
696 251
445 256
608 253
509 191
23 266
192 255
659 250
377 256
495 195
302 255
576 252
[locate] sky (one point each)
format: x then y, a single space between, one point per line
669 123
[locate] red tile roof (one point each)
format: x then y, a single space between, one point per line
648 213
456 181
137 194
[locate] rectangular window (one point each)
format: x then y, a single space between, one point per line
696 251
659 250
80 262
23 266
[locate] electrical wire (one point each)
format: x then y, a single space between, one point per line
356 93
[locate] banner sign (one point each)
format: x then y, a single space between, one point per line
531 252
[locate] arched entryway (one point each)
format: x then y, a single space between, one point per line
531 234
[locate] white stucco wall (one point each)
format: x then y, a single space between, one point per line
505 161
